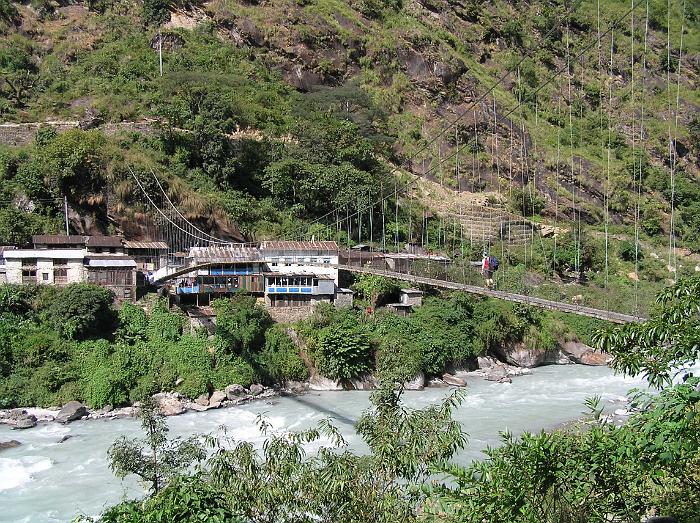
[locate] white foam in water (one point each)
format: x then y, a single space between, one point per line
16 472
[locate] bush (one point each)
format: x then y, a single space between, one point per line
342 352
525 201
232 370
280 358
78 310
241 323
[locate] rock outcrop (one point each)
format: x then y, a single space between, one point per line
417 383
71 411
453 380
320 383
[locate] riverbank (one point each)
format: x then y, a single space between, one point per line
173 403
60 471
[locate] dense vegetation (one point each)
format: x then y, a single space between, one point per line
596 472
64 343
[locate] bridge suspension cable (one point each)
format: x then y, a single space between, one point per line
531 95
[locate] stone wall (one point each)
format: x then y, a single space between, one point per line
19 134
290 314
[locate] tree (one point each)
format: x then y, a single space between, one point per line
375 289
155 459
342 352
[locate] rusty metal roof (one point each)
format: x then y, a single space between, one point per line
146 245
303 246
58 239
104 241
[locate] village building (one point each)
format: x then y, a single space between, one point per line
63 259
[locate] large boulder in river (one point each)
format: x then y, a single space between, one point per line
170 404
453 380
595 358
256 389
497 373
71 411
234 391
26 422
13 443
216 398
581 353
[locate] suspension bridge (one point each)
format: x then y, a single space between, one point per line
389 220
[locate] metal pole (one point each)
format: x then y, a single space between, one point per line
65 212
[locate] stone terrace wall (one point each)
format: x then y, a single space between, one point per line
19 134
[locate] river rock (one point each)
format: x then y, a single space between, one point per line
17 413
366 382
71 411
198 407
417 383
575 349
486 362
11 444
202 400
235 390
26 422
296 386
437 383
450 379
169 403
65 438
256 389
322 383
216 398
498 373
595 358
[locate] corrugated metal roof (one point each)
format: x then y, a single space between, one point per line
4 248
46 254
58 239
224 254
105 262
104 241
303 246
146 245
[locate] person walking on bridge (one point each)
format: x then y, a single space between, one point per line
488 266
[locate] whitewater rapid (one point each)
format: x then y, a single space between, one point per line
47 481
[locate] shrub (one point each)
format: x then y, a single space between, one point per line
280 358
231 370
241 323
342 352
164 325
525 201
79 310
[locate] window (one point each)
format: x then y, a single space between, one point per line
28 276
28 262
326 261
44 276
60 275
314 260
127 293
60 261
274 264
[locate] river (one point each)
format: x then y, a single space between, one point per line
46 481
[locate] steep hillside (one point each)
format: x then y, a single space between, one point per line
270 113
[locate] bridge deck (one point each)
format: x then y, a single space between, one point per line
571 308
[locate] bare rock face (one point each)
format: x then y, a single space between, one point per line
450 379
71 411
169 404
234 391
367 382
